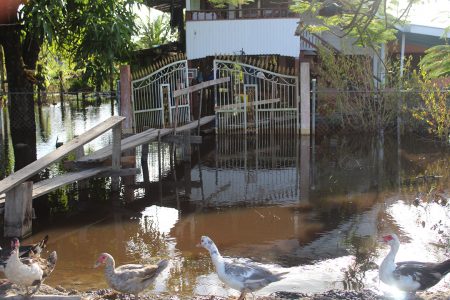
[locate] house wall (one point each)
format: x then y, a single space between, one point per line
345 45
254 37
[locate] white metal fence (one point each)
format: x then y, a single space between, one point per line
152 97
254 99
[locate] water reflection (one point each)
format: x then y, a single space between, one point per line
313 208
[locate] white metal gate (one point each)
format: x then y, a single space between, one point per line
153 103
255 99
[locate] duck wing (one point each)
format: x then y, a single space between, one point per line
47 265
251 275
421 272
136 272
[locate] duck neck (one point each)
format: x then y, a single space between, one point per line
14 258
215 255
388 264
110 267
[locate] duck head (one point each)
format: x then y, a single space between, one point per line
103 259
15 244
391 239
209 245
205 242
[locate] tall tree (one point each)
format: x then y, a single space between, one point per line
156 32
93 33
369 21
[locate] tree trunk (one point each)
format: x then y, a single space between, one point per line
21 104
2 71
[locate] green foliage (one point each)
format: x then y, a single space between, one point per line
100 35
224 3
357 103
434 108
155 33
366 21
44 19
86 35
436 62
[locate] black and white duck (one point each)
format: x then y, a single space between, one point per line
30 271
246 277
410 276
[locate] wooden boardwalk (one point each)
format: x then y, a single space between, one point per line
142 138
16 191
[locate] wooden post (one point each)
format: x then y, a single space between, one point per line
144 154
61 88
305 99
115 158
82 184
200 112
126 109
19 211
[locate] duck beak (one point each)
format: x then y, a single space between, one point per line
198 245
97 264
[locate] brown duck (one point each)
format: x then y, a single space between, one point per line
130 278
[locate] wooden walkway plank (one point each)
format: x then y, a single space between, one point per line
23 174
199 86
45 186
141 138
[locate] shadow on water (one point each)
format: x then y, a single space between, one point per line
313 208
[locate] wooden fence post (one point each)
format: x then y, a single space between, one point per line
126 109
19 211
116 154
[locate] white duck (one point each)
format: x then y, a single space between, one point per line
410 276
130 278
242 276
30 271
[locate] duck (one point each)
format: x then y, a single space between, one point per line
242 276
129 278
409 276
29 271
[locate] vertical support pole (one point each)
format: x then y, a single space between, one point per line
116 153
84 183
61 88
297 93
402 54
200 111
19 211
216 124
383 65
313 107
305 102
305 155
126 108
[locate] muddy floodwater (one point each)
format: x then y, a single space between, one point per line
314 208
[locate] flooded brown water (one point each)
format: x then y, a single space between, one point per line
312 208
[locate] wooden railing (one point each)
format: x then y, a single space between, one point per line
233 14
311 41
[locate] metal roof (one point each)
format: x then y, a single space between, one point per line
165 5
425 36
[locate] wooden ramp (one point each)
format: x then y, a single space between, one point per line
19 191
35 167
141 138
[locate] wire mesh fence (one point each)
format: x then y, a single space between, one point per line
357 111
